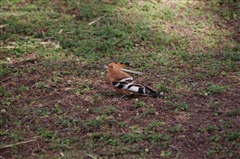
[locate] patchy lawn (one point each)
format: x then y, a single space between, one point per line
55 99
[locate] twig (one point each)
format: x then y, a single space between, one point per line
5 79
215 111
42 43
4 25
8 47
13 47
18 143
91 23
60 32
61 153
13 43
91 156
1 157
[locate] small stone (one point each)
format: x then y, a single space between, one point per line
146 150
40 105
3 111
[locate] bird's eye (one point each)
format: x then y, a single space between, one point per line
111 66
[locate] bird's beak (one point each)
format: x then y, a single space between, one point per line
105 67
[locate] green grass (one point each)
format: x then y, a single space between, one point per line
54 90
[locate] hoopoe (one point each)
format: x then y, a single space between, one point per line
124 83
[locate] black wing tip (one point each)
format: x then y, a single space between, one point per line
156 95
159 96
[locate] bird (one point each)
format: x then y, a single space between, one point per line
124 83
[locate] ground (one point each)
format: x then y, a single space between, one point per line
55 99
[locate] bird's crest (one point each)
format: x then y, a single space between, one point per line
116 65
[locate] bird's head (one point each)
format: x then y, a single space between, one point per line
114 66
117 66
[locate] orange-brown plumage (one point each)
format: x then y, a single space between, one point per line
115 74
123 83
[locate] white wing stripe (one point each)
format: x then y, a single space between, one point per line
126 79
134 88
126 86
117 85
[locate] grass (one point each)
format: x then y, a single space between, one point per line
54 92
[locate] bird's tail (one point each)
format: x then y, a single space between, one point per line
153 93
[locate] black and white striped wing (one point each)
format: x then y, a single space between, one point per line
133 86
128 84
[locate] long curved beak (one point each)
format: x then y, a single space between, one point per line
105 67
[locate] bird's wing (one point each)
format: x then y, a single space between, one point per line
131 85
